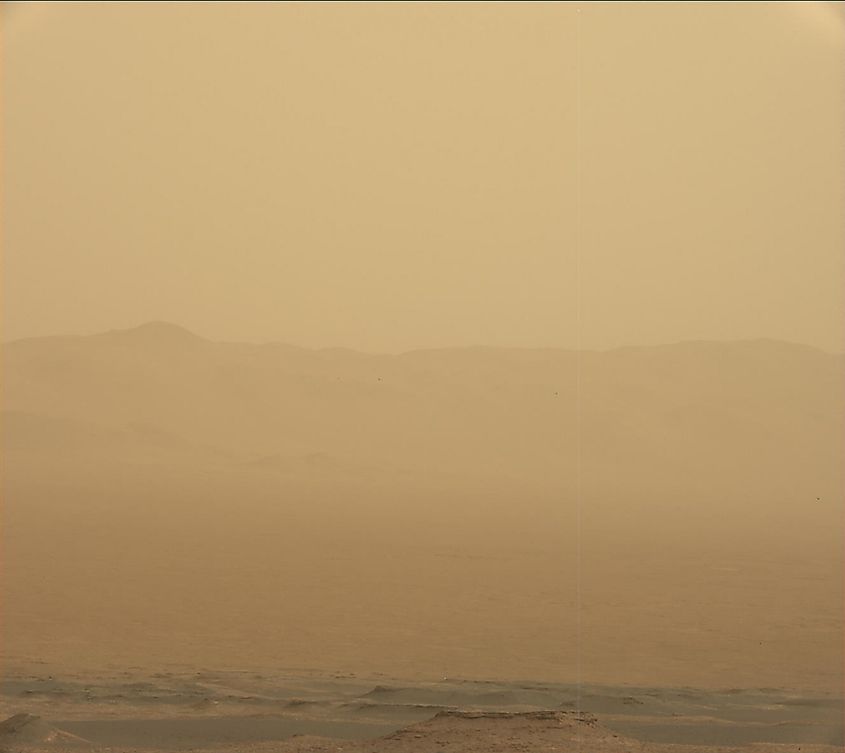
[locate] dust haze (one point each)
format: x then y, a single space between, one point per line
391 177
365 363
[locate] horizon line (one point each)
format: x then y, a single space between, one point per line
173 327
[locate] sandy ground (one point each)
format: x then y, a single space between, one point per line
243 711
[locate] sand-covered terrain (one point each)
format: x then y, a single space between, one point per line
312 712
212 543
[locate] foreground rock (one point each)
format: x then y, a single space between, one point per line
447 732
29 729
525 732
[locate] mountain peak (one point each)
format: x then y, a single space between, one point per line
154 332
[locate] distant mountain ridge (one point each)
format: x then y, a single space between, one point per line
167 331
739 413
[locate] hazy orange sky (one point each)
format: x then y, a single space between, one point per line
395 176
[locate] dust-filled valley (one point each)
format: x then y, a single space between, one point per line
664 516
